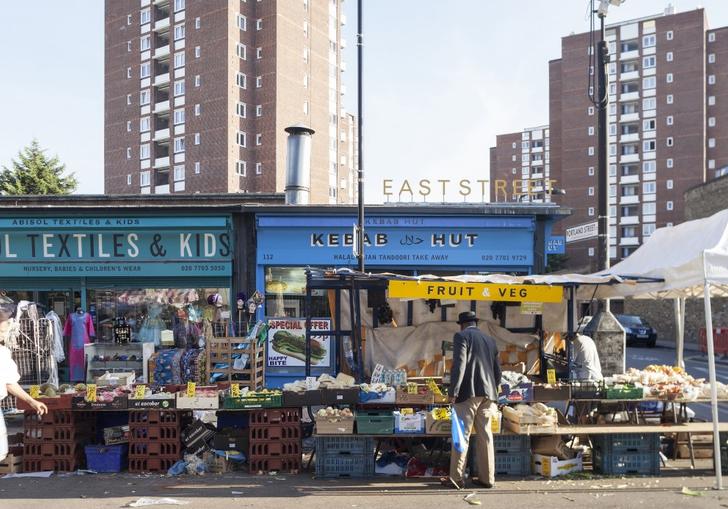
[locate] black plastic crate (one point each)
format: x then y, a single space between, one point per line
621 443
342 465
634 463
588 389
350 445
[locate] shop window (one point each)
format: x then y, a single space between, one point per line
285 293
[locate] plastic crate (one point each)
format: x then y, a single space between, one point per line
155 449
620 443
283 464
634 463
50 433
625 393
508 444
275 433
154 432
587 389
282 416
138 465
515 464
375 422
58 465
149 417
52 449
107 458
272 449
254 401
345 445
340 465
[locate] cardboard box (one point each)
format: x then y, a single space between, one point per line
198 402
410 423
232 440
551 466
496 423
116 379
424 397
437 426
524 424
116 435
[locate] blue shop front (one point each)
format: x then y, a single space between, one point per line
437 240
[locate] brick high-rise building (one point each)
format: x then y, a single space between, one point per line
198 93
667 117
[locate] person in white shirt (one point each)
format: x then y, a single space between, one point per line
586 359
9 378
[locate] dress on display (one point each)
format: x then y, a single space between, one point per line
151 331
80 328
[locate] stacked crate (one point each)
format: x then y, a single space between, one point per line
224 351
56 440
626 453
512 455
275 440
344 456
155 439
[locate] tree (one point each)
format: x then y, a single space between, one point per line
34 173
556 263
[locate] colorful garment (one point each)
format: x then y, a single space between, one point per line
80 328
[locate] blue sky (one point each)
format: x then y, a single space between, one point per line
439 83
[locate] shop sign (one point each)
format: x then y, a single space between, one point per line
531 308
474 291
582 232
287 342
57 247
556 244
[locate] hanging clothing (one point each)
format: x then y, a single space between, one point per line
151 331
80 328
57 344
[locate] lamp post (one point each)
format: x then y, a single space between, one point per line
360 140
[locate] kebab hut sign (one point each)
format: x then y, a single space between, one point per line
287 342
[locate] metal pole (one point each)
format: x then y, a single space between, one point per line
360 140
679 332
602 173
713 386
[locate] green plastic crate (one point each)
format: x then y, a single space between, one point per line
254 401
379 422
625 393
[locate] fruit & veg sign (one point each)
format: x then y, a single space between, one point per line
287 342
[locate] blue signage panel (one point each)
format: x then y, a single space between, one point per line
399 241
56 247
556 244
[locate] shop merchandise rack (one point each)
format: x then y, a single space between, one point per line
56 440
275 440
222 354
155 439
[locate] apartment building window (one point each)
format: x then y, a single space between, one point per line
711 58
711 37
590 191
259 110
197 167
612 109
649 146
670 205
258 139
128 126
612 69
670 163
669 35
128 152
179 32
591 171
259 24
649 124
305 55
198 80
649 167
591 91
711 100
242 22
590 130
128 46
241 51
240 168
128 73
197 52
590 151
590 211
258 53
241 109
630 149
144 97
711 142
711 164
612 129
179 117
669 183
649 82
670 141
590 112
649 188
144 178
612 211
197 110
711 121
179 172
629 67
648 229
179 145
144 125
179 88
612 170
145 16
145 70
144 151
649 41
241 80
612 190
612 149
649 103
198 23
242 141
513 158
128 99
128 19
669 120
669 77
258 168
649 62
305 29
649 209
591 251
145 43
179 59
258 81
179 5
711 79
197 139
305 81
669 56
128 179
525 158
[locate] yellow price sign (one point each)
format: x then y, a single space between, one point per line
551 376
474 291
91 393
140 391
34 391
412 388
191 389
235 390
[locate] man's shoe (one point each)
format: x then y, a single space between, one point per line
449 482
486 485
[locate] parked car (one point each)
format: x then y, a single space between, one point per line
638 330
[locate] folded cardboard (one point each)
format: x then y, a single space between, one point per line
551 466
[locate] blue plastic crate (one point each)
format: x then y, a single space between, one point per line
344 465
634 463
345 444
622 443
107 458
510 464
509 444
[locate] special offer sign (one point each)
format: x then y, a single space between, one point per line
287 342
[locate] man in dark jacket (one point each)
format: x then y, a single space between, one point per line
474 385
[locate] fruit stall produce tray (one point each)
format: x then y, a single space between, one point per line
253 401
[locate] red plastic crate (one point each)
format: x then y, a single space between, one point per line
58 464
137 465
153 433
283 464
48 432
52 449
275 416
275 433
61 418
155 417
272 449
155 449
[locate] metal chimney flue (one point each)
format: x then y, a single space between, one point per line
298 165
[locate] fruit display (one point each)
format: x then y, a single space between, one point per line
331 414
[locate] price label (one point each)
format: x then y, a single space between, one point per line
551 376
91 393
235 390
140 391
34 391
412 388
191 389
